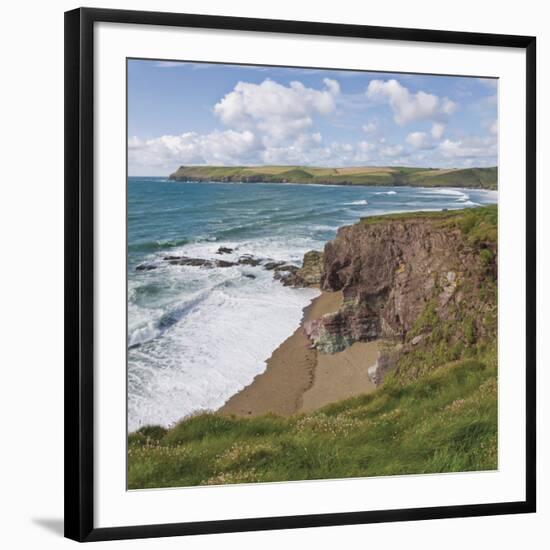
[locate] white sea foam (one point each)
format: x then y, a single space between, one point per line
214 350
322 227
386 193
442 191
357 203
197 346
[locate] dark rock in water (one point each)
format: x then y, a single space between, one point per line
224 250
248 259
146 267
287 274
198 262
224 263
270 266
288 268
184 260
249 275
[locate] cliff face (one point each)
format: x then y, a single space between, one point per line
408 277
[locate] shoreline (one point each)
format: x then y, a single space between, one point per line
331 184
299 379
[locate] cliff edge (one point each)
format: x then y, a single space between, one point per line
425 281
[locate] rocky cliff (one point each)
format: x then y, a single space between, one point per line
422 280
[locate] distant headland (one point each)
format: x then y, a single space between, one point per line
478 178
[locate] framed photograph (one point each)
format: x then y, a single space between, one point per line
300 274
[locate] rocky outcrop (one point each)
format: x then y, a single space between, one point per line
224 250
309 274
197 262
395 270
288 274
386 362
312 268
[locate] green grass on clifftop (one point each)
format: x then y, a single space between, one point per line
477 224
485 178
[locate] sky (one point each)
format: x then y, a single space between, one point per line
182 113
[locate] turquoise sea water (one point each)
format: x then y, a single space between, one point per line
196 336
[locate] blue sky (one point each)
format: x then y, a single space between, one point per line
198 113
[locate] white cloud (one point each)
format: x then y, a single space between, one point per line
169 151
316 137
366 147
274 111
164 154
409 107
332 85
469 147
448 107
271 123
419 140
391 151
489 82
438 129
370 127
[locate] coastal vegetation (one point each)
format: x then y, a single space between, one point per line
423 284
480 178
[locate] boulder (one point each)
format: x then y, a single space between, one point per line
312 268
224 250
248 259
272 265
198 262
146 267
224 263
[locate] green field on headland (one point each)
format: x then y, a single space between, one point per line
436 408
479 178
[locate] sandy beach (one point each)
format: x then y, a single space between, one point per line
299 379
341 375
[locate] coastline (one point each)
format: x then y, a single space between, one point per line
440 411
165 396
476 178
299 379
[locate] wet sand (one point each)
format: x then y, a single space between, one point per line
298 378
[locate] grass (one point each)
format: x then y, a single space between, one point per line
443 423
367 175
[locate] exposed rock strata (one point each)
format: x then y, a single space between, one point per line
392 272
309 274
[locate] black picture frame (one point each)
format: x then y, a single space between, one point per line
79 268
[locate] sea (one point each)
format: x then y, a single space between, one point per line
197 335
